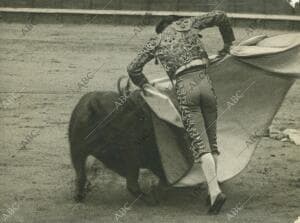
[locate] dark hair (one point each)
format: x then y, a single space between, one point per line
164 22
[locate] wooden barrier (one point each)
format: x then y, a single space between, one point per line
133 17
144 13
234 6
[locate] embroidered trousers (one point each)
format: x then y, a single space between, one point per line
198 102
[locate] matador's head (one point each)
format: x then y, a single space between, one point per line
165 22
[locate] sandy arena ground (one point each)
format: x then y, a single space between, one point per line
40 72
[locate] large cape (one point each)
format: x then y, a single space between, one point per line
250 85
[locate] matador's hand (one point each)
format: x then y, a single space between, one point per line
225 50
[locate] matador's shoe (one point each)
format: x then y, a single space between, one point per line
218 204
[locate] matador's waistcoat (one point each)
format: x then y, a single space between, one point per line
179 44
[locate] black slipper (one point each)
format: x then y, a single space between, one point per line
217 205
208 196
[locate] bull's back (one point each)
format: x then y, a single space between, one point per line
91 109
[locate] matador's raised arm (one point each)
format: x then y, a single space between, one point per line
215 18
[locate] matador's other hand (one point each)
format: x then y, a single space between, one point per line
145 89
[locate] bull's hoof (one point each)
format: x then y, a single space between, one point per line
79 198
150 199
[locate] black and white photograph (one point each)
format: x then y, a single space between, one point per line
149 111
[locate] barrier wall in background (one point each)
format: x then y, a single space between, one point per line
240 6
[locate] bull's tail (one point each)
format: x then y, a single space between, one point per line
71 125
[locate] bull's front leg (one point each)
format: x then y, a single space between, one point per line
132 176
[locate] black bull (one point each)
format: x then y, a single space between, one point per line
117 130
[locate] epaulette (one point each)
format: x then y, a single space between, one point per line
154 41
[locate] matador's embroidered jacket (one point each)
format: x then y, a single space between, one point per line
179 44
